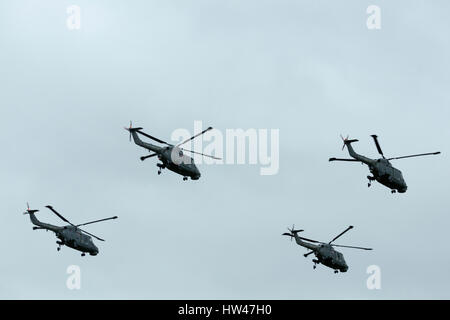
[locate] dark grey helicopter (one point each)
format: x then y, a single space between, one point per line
381 169
171 156
71 235
324 252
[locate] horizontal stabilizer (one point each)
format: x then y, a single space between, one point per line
338 159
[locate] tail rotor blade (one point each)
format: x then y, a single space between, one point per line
288 234
130 129
29 211
344 140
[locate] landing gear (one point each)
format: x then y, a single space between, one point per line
83 254
185 178
59 248
393 191
160 166
59 243
315 263
370 180
335 271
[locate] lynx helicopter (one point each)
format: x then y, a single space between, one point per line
324 252
171 156
70 235
381 169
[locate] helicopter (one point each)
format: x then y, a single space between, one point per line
70 235
324 252
171 156
381 169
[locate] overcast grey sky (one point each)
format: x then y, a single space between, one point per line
311 69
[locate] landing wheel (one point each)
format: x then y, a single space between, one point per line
370 180
393 191
185 178
335 271
314 266
159 172
83 254
58 248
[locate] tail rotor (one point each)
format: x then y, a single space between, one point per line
292 232
347 141
129 129
344 141
29 211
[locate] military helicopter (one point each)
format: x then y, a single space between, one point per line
324 252
171 156
71 235
381 169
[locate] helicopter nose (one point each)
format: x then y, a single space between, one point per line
94 251
197 174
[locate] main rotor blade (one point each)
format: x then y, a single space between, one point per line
91 234
195 136
202 154
337 245
287 234
375 138
153 138
60 216
339 159
416 155
83 224
340 234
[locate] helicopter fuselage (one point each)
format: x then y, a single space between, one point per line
382 171
171 157
75 239
325 254
387 175
175 160
69 236
331 258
